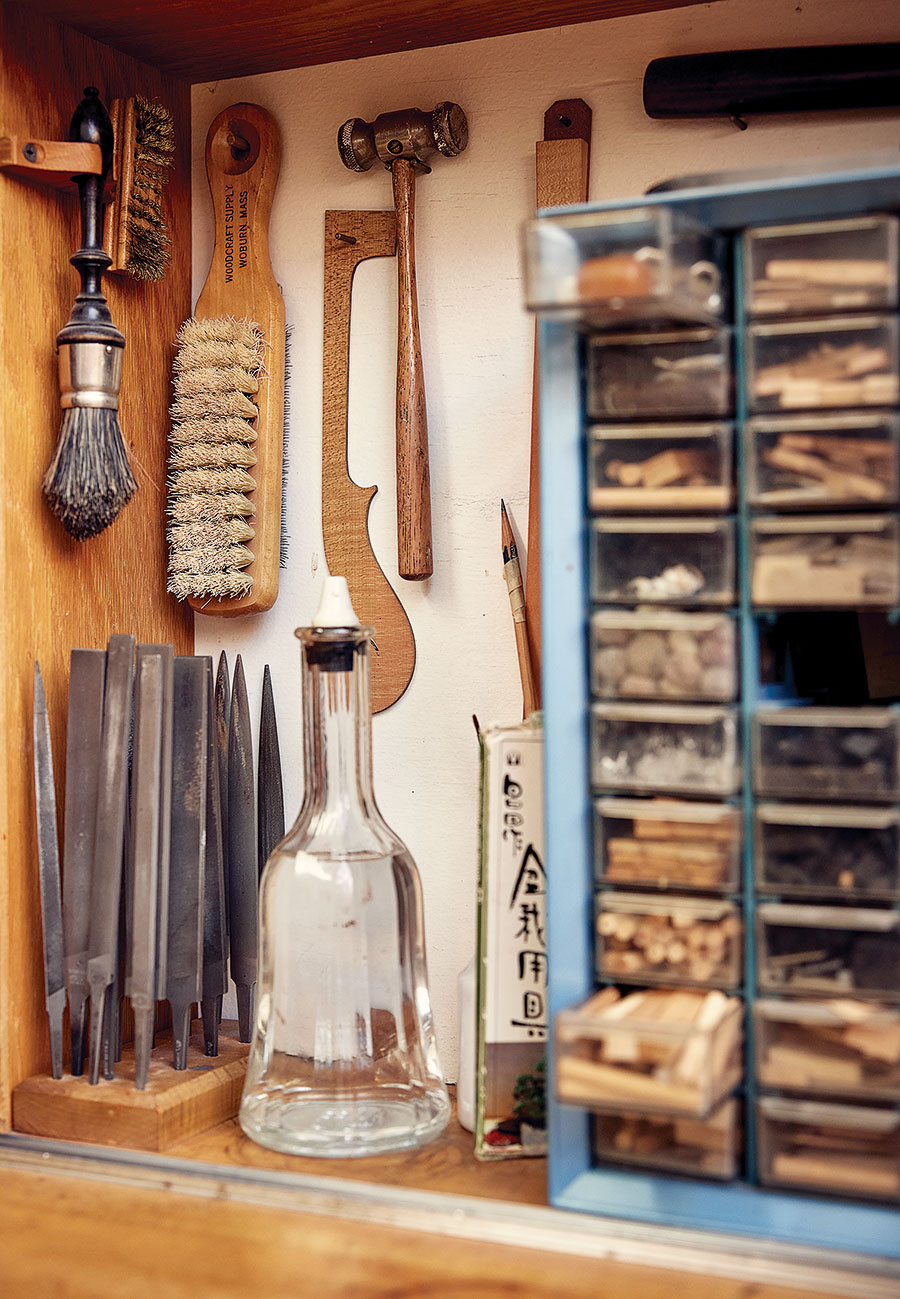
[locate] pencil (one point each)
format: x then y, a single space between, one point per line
513 575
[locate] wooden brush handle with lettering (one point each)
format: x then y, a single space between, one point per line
243 158
414 556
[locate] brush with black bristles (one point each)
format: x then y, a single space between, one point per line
226 445
89 481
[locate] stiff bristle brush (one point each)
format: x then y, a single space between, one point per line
137 236
227 438
89 480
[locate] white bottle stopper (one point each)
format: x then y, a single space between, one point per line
335 608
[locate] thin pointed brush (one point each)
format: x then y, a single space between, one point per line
89 480
513 574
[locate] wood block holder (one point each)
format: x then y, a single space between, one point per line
175 1104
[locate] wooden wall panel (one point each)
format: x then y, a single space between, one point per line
63 593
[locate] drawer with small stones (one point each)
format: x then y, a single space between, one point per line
660 1051
665 843
828 950
813 267
636 264
825 562
820 364
827 753
802 462
683 373
840 1047
665 748
699 1147
685 940
654 467
663 654
827 852
681 562
847 1150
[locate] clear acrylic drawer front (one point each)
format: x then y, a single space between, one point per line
821 266
822 852
828 950
803 462
836 1048
849 1150
825 562
638 264
662 561
663 844
665 748
683 940
660 376
661 1051
654 467
829 753
821 364
702 1147
663 654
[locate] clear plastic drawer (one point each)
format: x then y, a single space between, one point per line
684 373
665 844
702 1147
825 562
685 940
662 561
684 467
828 950
636 264
827 852
821 364
661 1051
812 267
848 1150
799 462
840 1047
829 753
663 654
665 748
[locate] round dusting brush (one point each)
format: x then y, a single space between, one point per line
89 480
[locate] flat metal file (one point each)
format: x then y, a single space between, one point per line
48 861
87 673
109 835
146 780
243 869
269 787
187 847
167 657
223 711
215 949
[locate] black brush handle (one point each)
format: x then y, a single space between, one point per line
90 321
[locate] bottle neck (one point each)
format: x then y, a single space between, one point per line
339 801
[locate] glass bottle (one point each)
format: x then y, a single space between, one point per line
343 1061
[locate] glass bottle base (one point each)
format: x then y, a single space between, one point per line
336 1127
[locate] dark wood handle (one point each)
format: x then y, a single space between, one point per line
413 479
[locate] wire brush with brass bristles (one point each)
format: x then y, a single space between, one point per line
136 235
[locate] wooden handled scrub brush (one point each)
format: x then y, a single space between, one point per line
227 436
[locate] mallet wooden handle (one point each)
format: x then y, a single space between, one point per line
413 479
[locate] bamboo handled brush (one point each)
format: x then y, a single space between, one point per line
227 436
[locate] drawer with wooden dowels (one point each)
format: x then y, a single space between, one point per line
841 361
837 1149
642 938
681 467
707 1147
803 462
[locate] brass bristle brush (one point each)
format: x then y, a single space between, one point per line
89 481
227 437
137 238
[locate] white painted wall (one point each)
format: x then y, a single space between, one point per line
477 347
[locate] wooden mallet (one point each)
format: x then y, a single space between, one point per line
403 142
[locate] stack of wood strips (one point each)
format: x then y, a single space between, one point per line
695 853
849 1047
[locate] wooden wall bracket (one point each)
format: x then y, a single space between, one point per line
48 162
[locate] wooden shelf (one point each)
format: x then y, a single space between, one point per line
205 40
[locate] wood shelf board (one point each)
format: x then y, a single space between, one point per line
174 1105
204 40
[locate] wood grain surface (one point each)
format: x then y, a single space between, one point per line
241 284
345 505
64 593
211 39
175 1104
72 1236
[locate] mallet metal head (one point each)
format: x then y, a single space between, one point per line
409 134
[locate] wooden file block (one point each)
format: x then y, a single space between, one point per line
175 1104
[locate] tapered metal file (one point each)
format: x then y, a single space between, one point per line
269 788
243 869
215 951
48 859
